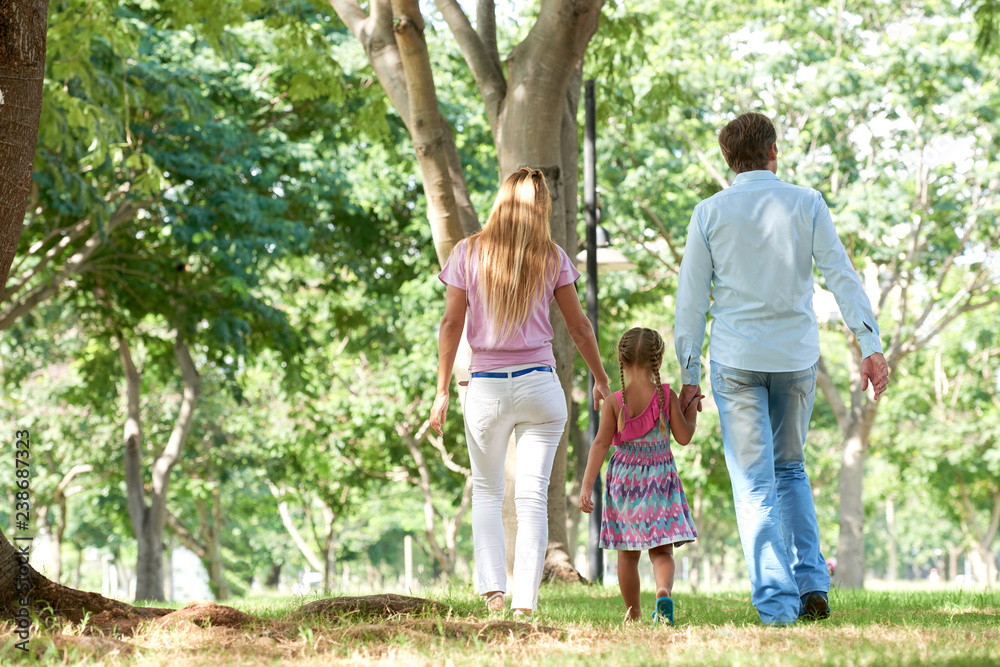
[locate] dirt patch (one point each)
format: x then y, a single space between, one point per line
458 630
77 647
381 606
205 614
122 621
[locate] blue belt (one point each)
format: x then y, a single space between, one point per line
514 374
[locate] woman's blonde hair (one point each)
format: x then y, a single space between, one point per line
641 347
517 257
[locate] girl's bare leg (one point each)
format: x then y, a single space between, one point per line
628 582
662 558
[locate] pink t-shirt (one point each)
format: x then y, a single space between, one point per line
531 344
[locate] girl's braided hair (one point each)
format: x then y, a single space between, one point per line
644 348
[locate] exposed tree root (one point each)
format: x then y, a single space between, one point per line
559 568
369 605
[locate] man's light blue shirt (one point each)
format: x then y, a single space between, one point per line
751 247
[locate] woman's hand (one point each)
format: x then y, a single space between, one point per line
439 411
586 502
601 392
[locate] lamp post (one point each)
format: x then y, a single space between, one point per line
598 254
595 556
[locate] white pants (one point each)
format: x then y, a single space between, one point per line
533 407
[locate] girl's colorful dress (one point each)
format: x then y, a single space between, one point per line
644 504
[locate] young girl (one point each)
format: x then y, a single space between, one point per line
644 503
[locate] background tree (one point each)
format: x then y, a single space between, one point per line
536 126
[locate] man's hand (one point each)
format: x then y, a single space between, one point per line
601 392
875 370
439 411
586 502
689 394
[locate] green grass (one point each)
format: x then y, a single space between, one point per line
582 626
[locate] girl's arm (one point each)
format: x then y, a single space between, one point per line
452 324
583 337
598 452
682 424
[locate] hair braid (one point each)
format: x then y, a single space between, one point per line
621 408
663 401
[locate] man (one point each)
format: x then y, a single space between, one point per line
752 248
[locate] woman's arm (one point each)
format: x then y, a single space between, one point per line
598 452
452 323
583 337
683 424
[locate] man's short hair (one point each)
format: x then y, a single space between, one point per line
746 141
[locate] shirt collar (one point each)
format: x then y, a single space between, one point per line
756 175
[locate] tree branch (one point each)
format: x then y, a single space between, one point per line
949 262
75 264
286 520
449 461
427 127
712 170
351 14
663 230
71 234
642 244
376 38
486 27
833 397
944 322
178 435
69 477
485 70
186 537
424 482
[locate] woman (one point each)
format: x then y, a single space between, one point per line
505 278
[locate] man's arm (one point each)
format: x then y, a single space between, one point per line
843 281
855 307
694 286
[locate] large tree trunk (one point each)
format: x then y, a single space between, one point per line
427 127
67 603
23 24
23 27
559 556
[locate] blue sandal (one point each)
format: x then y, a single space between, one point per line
664 609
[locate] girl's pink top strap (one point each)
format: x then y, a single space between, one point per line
645 421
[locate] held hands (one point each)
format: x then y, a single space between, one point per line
875 370
439 411
586 501
690 394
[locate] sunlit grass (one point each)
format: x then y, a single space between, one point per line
577 626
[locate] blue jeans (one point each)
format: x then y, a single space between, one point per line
765 418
